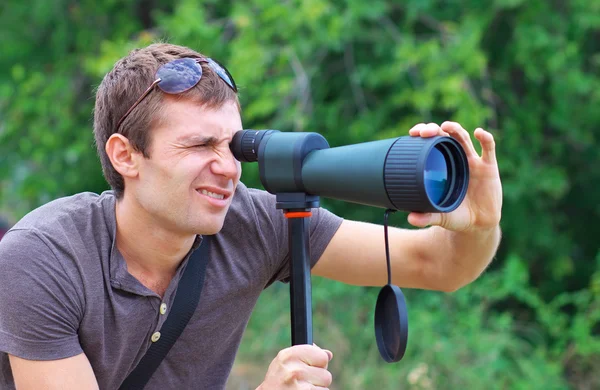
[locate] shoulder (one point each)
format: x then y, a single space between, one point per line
259 206
67 209
61 242
81 214
67 227
245 195
250 203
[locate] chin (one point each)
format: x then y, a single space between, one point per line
210 227
211 232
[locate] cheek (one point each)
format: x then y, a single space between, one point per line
192 166
169 174
239 168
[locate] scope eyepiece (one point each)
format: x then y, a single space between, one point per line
245 144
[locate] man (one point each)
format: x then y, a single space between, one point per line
87 281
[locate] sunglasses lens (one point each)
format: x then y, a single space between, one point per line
223 74
179 75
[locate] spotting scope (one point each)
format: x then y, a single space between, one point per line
405 173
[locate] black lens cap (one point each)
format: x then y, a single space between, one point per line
391 323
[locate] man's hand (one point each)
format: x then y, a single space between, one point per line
299 367
481 208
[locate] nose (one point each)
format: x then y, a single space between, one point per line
226 165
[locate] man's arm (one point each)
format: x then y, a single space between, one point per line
432 258
449 254
64 374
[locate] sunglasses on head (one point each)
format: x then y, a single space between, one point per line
181 75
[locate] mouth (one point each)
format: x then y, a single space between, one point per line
211 194
215 196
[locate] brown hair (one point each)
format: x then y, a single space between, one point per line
126 82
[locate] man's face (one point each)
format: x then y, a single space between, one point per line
188 182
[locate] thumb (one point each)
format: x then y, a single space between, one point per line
425 219
328 352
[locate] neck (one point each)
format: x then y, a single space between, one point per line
150 251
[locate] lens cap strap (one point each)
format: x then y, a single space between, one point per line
391 314
387 243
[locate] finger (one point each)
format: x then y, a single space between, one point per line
328 352
488 145
457 131
426 130
311 355
415 131
329 355
316 376
426 219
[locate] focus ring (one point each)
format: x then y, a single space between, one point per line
402 181
250 146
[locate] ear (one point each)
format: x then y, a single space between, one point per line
122 155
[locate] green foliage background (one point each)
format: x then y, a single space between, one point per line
355 71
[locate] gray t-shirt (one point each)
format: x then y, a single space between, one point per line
65 289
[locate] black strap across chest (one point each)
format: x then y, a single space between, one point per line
184 305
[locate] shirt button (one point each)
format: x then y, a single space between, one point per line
163 308
155 337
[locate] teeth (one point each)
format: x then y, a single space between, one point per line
213 195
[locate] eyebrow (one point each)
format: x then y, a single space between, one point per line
198 139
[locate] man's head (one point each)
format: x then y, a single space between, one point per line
170 155
126 82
